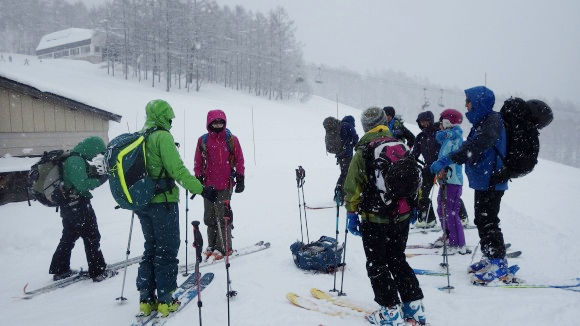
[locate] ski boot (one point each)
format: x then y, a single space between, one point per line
478 266
388 316
414 312
60 276
146 308
166 308
497 269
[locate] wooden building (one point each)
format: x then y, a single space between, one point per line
32 121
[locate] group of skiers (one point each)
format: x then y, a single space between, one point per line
218 169
384 225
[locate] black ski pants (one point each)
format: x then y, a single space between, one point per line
343 163
486 219
78 221
387 266
425 205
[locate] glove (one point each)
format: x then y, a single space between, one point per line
239 183
209 193
353 223
201 178
440 164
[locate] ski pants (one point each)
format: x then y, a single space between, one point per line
213 218
158 269
78 221
449 200
425 205
486 219
343 163
387 266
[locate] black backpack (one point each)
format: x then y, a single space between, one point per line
332 137
394 177
522 122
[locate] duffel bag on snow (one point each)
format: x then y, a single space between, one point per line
323 255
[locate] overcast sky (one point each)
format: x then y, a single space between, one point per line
524 46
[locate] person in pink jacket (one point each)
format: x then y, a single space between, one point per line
219 162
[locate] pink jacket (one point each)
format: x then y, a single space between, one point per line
218 170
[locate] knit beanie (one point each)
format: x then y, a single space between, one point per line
373 117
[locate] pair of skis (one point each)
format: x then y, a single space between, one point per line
80 276
258 246
185 293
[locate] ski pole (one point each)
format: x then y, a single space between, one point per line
122 298
298 181
444 228
186 222
343 258
303 173
429 207
198 245
336 244
230 293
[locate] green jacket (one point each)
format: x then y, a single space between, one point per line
75 174
357 176
161 153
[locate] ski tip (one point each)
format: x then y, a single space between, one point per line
24 288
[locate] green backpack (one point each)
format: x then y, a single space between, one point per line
125 159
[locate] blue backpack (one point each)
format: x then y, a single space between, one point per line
323 255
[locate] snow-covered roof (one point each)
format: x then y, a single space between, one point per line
11 164
66 36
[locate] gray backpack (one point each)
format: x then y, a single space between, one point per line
332 138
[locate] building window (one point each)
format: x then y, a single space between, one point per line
74 51
97 49
85 49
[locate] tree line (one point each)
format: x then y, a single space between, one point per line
180 43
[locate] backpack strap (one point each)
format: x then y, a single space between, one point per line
230 145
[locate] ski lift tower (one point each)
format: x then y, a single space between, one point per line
427 103
318 78
441 99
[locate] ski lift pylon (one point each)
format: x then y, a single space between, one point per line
318 78
427 103
441 99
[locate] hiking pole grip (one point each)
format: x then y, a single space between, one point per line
197 240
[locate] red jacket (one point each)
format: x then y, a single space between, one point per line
217 166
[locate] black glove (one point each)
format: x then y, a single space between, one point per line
103 178
201 179
209 193
239 183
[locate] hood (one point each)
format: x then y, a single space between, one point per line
425 116
159 114
482 100
90 147
214 115
348 119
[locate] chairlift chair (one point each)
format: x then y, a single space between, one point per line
441 99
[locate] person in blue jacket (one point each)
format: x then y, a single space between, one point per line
481 153
348 139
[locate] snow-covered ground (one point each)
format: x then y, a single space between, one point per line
538 217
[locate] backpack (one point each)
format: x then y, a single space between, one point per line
522 120
322 255
393 175
125 159
332 136
230 144
45 182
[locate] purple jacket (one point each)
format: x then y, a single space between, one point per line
218 169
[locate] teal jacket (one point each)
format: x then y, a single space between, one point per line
451 140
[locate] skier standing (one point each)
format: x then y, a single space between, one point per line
218 162
397 128
482 154
451 183
384 237
157 274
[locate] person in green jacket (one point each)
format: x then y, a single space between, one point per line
157 275
78 217
384 231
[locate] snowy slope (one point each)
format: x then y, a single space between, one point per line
538 216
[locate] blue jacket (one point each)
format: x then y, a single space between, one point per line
348 136
486 138
451 140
